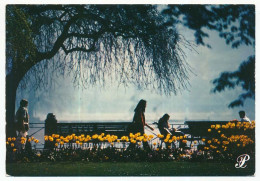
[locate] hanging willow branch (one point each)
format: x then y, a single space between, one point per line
96 43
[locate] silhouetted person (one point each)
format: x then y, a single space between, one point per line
163 125
22 124
139 117
164 128
50 128
50 124
139 122
242 115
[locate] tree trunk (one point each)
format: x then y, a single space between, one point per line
11 87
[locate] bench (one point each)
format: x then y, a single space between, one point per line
112 128
199 129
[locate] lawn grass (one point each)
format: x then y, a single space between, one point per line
127 169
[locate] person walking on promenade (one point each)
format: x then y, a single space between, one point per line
139 118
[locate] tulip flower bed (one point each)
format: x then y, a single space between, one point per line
223 145
100 148
229 141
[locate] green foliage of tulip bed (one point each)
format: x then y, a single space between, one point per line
128 169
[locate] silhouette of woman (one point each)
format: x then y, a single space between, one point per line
139 118
163 125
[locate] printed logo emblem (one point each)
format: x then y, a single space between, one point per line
241 161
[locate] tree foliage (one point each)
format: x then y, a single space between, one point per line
243 77
94 42
234 23
19 42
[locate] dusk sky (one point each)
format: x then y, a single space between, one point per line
117 103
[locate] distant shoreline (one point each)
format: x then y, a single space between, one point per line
148 121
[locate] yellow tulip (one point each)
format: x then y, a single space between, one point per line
217 126
57 136
209 130
12 144
151 136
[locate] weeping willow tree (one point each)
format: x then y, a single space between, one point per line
93 43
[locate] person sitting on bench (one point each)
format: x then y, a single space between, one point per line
164 128
163 125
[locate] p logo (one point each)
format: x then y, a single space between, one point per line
241 161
